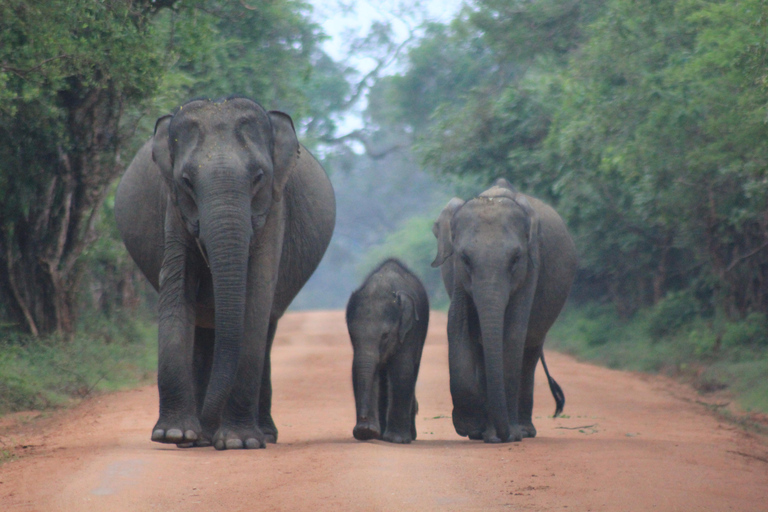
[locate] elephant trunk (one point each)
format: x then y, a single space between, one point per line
226 231
491 305
365 368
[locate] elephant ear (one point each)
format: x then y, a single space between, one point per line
285 151
408 314
442 231
533 231
161 151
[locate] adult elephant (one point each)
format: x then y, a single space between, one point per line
508 264
227 215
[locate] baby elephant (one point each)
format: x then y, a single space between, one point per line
387 320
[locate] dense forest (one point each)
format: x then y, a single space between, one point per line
644 122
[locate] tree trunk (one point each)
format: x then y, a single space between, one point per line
40 246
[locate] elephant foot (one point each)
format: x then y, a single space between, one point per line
528 430
200 443
468 425
239 439
366 430
515 435
180 432
397 437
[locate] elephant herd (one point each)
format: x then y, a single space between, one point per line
228 215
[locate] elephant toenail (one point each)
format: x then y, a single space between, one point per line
252 444
174 435
234 444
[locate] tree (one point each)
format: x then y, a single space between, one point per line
79 78
68 72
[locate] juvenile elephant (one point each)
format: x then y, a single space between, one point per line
508 264
227 215
387 319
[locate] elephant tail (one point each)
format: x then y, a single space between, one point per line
557 391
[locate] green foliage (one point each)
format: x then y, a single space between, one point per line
415 245
674 311
711 353
643 122
40 373
752 332
81 84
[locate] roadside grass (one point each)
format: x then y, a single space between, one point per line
710 353
103 355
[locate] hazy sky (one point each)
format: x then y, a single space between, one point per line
345 20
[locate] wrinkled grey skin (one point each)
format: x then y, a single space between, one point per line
227 215
387 319
507 263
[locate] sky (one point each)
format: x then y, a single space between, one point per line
346 20
341 19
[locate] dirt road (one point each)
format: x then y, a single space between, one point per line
628 443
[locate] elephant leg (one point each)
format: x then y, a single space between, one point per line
414 412
384 398
525 410
178 420
202 364
401 386
239 423
266 423
240 419
467 372
516 327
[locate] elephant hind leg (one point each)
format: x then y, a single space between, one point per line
266 423
525 406
383 399
202 363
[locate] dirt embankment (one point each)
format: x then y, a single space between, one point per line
627 443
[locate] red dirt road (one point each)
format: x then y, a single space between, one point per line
629 443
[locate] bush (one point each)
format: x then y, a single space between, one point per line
752 332
40 373
670 314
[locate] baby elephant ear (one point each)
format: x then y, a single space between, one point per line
161 152
442 231
285 152
408 314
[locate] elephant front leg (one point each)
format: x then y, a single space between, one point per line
240 420
178 422
466 369
401 386
239 427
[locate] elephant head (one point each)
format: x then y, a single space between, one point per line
226 164
492 245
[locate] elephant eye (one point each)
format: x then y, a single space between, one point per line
186 181
465 260
258 176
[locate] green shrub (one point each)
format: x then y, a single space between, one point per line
671 313
40 373
752 332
